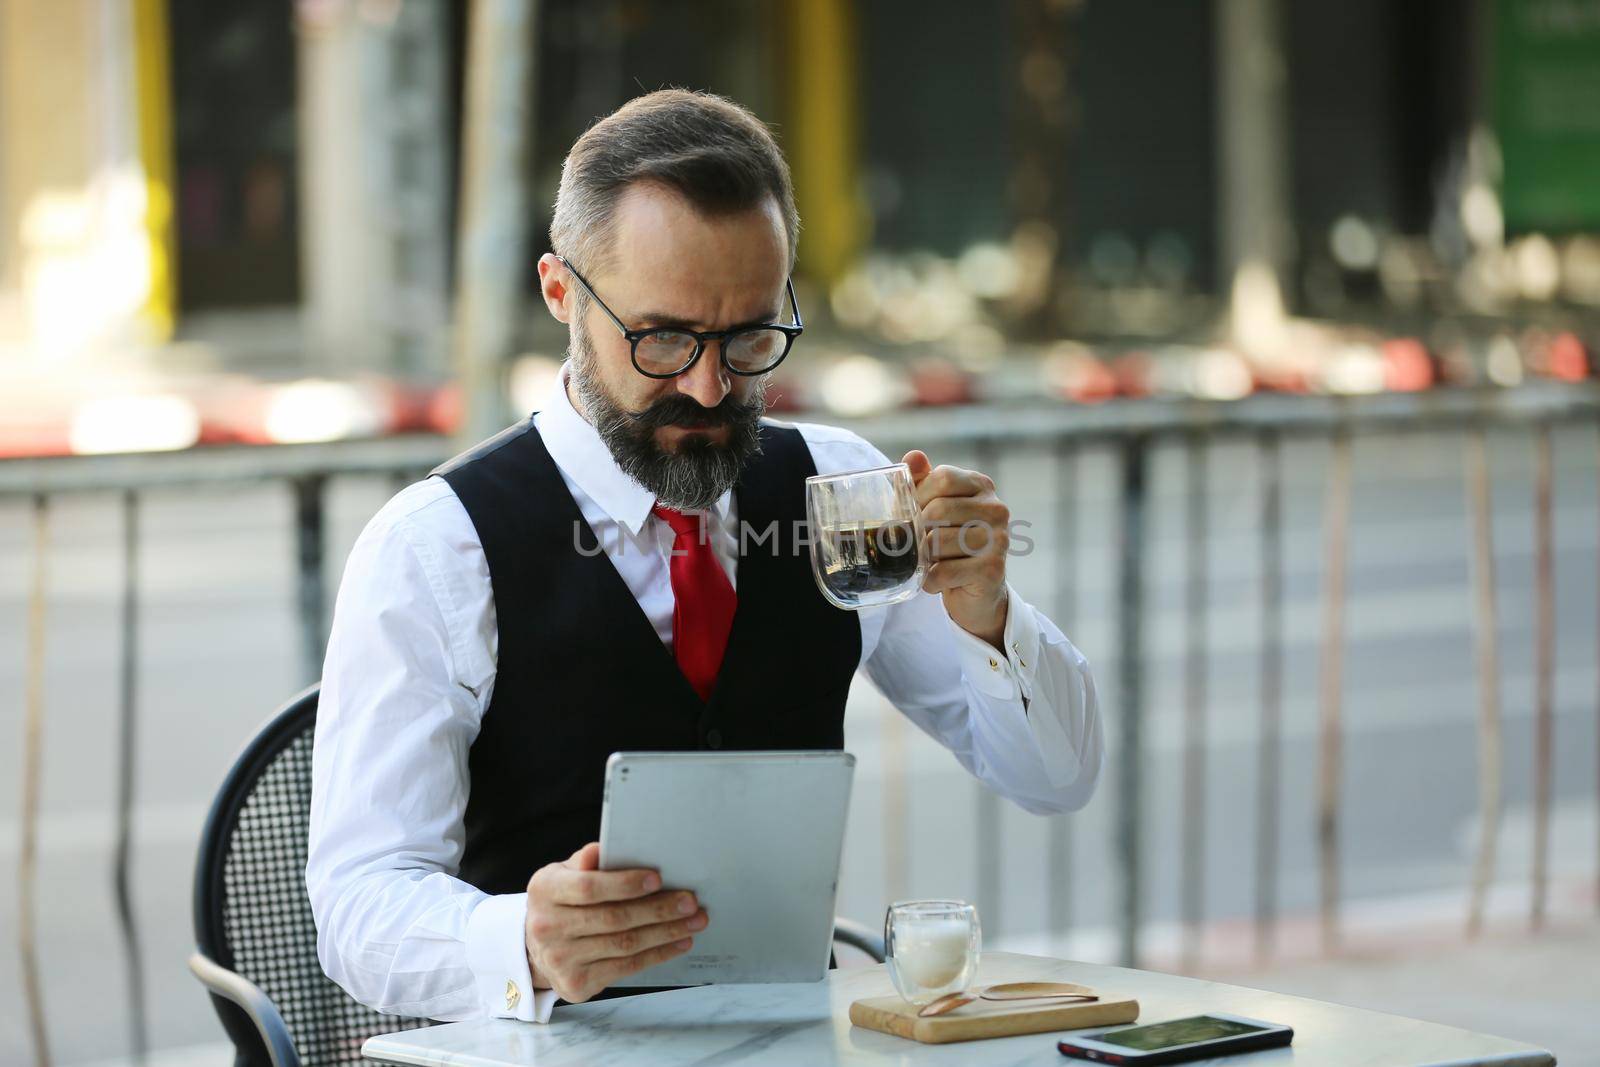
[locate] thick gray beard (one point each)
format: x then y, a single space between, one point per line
692 479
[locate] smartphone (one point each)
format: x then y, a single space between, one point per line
1176 1041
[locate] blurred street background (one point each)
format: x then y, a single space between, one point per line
1278 320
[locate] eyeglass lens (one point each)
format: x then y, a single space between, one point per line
749 351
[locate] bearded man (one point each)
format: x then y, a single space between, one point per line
578 585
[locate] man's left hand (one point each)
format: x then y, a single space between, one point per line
966 533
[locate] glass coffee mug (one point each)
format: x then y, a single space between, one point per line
866 536
931 948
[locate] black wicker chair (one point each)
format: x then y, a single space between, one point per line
253 926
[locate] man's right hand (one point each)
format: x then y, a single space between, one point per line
587 928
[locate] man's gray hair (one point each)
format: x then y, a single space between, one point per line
710 150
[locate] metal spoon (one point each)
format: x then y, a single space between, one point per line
947 1003
1009 991
1039 991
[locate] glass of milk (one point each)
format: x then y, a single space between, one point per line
932 947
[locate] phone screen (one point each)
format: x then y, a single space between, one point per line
1176 1033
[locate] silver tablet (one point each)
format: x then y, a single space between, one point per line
757 836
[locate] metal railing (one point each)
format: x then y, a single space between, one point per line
1131 433
307 469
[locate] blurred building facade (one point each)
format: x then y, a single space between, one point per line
84 175
163 160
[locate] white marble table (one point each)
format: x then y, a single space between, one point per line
809 1025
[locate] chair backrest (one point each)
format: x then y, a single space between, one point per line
251 911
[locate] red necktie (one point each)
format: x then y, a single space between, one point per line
705 601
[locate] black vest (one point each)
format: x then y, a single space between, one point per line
581 672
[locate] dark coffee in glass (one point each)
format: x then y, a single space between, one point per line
865 536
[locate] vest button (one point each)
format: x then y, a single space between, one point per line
713 738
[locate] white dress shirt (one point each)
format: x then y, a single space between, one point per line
410 671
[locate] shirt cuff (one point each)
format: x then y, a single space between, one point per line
498 957
1008 674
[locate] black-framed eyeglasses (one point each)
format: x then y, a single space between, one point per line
668 351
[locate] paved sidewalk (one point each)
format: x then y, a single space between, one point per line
1408 955
1540 988
219 1054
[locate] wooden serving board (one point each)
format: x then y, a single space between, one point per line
990 1018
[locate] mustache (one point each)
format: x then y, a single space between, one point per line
686 411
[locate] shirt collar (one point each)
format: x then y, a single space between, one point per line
583 456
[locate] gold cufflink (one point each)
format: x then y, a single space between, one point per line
994 665
513 995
